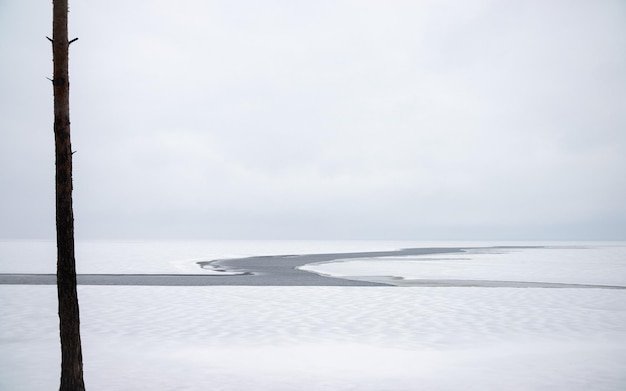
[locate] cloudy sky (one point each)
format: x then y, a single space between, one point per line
276 119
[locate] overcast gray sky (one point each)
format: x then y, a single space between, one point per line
457 119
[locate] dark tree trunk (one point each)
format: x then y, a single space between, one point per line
69 321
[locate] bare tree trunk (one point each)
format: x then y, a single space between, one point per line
69 321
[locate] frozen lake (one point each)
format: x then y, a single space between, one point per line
322 337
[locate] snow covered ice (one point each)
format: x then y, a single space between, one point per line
327 338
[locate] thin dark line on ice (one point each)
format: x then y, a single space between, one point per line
283 270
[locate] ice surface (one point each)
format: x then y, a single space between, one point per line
312 338
169 256
324 338
592 264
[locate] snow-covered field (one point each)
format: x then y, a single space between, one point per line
325 338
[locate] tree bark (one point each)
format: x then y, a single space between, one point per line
69 320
